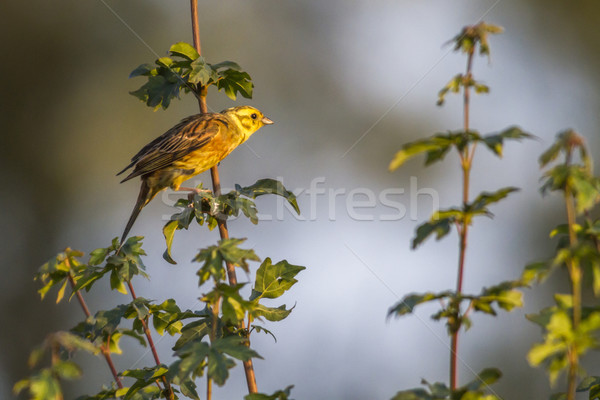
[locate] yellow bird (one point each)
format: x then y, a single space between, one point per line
194 145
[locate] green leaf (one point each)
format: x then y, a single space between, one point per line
218 367
67 370
587 383
559 396
184 50
144 377
413 394
409 302
41 386
235 347
270 313
495 142
272 280
538 271
232 82
564 141
439 224
194 331
202 73
278 395
269 186
142 70
169 232
485 378
178 221
233 306
191 360
259 329
503 294
57 270
228 65
483 200
226 251
436 147
158 91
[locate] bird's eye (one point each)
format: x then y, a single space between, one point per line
253 116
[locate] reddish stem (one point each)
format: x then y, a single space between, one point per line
104 349
214 173
466 157
144 321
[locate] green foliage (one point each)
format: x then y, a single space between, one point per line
204 207
474 390
467 41
216 359
503 295
455 305
442 220
121 266
272 280
45 384
218 335
591 384
560 337
213 258
185 70
570 329
473 35
461 81
278 395
144 377
436 147
57 271
577 178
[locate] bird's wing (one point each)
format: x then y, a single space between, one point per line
189 135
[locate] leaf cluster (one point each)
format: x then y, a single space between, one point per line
569 329
504 296
578 178
205 208
474 390
45 384
185 70
560 336
437 147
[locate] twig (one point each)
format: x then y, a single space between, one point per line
213 335
104 348
575 275
214 173
144 321
466 158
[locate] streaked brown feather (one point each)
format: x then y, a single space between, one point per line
190 134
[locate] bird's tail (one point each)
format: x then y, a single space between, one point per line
146 194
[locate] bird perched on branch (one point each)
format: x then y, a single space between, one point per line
191 147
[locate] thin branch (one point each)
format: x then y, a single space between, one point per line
575 276
104 348
466 157
213 335
214 173
144 321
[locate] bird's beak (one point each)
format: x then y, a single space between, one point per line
266 121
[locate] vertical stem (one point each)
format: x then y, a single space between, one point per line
575 275
465 157
214 173
213 335
104 349
169 391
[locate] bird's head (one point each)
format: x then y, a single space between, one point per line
247 118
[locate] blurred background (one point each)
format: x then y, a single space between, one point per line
347 83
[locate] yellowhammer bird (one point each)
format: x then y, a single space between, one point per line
191 147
